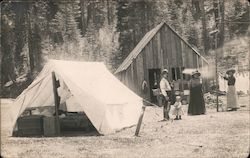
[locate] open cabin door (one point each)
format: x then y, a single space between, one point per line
154 81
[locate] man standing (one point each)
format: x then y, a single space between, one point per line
166 94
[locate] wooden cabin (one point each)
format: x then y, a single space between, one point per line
160 48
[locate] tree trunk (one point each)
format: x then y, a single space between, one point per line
216 12
83 22
89 9
222 27
204 28
108 13
31 58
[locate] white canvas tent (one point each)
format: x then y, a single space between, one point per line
109 105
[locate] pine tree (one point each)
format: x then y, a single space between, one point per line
57 28
64 29
8 42
190 33
205 37
239 13
91 36
37 26
135 19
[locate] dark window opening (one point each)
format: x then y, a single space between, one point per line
176 73
173 74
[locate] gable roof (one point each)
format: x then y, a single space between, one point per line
85 81
144 41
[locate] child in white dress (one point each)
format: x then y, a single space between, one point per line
177 108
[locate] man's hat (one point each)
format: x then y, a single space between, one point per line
230 70
196 72
164 71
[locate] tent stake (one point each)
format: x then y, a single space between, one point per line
140 121
141 116
56 84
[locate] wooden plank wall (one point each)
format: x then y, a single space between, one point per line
168 51
184 54
190 58
160 50
200 62
155 51
173 49
179 52
145 60
135 77
140 73
165 48
129 76
195 63
149 55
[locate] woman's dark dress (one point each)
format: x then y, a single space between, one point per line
196 102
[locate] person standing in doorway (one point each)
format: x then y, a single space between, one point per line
231 91
165 90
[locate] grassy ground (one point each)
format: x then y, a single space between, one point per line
223 134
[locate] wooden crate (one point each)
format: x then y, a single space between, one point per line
30 125
49 127
75 121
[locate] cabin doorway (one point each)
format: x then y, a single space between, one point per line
154 81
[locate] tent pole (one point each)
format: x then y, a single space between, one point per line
56 84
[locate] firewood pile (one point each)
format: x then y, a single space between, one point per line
210 100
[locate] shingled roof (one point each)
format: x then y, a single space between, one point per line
144 41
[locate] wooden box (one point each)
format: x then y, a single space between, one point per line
75 121
30 125
49 127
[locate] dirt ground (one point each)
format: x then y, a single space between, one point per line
216 134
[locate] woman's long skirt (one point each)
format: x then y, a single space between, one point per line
196 103
231 97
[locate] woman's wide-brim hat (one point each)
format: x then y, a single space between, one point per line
196 72
230 70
